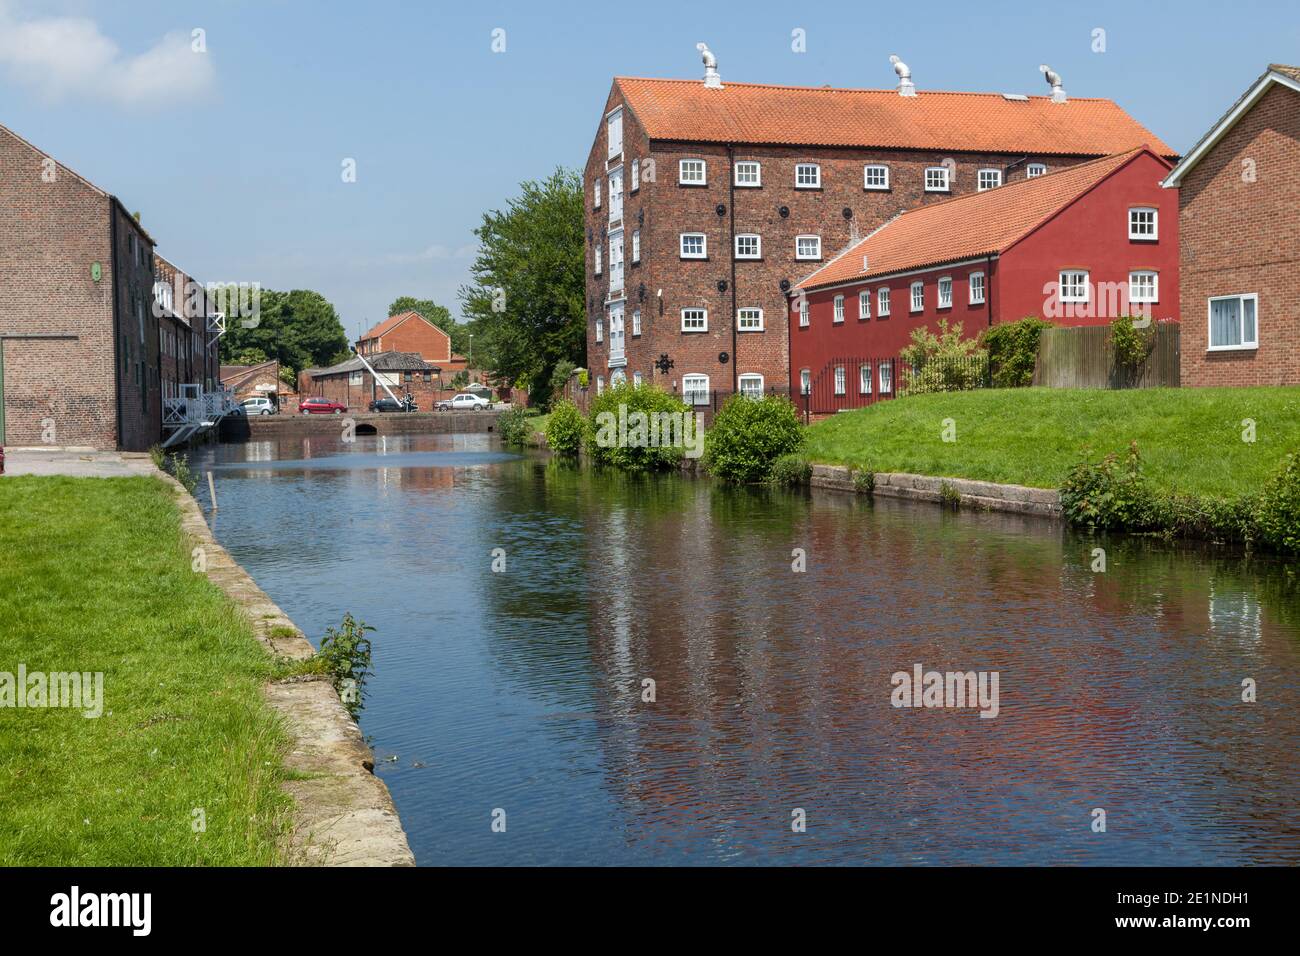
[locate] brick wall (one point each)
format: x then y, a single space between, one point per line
663 209
414 335
139 381
53 227
1240 236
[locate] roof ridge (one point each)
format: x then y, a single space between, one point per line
858 89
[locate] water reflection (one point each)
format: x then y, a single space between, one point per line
524 690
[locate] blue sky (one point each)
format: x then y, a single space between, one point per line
234 156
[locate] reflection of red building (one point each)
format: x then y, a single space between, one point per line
1078 246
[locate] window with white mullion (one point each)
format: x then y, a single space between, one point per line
749 246
808 247
807 176
1143 223
882 302
918 296
936 179
691 172
945 292
1074 286
864 304
839 309
695 320
976 288
693 245
875 176
749 174
1234 322
1144 286
695 389
989 179
749 320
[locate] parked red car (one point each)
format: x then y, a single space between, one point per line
320 406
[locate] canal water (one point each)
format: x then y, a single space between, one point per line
522 690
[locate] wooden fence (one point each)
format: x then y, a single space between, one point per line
1082 357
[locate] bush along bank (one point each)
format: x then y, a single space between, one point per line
1114 494
749 436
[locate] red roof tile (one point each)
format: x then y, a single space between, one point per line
966 227
826 116
390 323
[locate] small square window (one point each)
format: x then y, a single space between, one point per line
808 247
1144 286
749 173
1234 322
989 179
749 320
1034 170
807 176
1142 224
695 320
693 245
1074 286
936 180
749 247
690 172
875 176
751 385
695 389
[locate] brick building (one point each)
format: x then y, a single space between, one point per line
351 383
412 332
91 345
258 381
1239 198
1078 246
706 201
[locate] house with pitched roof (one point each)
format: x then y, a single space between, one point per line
412 332
1078 246
707 200
1239 224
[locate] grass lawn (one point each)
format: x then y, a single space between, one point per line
1190 438
94 577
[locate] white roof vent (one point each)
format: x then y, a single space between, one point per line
1053 80
905 85
1016 97
712 78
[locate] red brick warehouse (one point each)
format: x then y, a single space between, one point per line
1078 247
1239 195
706 201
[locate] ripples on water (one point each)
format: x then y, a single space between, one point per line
522 690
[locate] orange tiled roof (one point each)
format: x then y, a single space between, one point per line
826 116
966 227
390 323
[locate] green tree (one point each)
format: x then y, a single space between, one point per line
526 306
300 328
439 315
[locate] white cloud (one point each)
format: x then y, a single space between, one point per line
64 57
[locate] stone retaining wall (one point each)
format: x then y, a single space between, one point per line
981 495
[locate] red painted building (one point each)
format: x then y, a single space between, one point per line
1078 246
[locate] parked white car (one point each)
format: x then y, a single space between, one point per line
258 406
465 402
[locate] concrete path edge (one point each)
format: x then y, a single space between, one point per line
978 495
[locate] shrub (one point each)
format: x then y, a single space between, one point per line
564 429
1109 494
946 362
864 482
790 469
513 427
640 428
1013 351
1131 346
345 652
564 370
749 434
584 378
1278 511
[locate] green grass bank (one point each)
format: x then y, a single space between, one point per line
1190 439
95 576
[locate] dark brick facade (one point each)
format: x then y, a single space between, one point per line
1240 228
662 209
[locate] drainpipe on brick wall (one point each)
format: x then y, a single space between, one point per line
731 239
117 332
988 292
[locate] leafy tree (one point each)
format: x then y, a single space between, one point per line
299 328
526 306
439 315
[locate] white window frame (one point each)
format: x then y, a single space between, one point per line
1154 295
600 260
684 180
697 395
702 319
803 312
932 184
615 180
616 267
751 377
839 310
985 175
1140 234
841 380
636 322
1073 296
636 245
597 191
1034 170
600 331
916 300
882 301
1241 299
635 184
704 245
757 252
866 177
810 258
757 171
749 319
614 121
976 288
864 304
864 379
945 292
801 171
886 376
805 381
